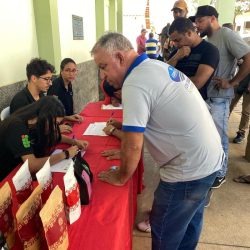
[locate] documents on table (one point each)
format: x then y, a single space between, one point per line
96 129
110 106
63 165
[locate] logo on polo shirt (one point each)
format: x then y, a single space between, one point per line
26 141
174 74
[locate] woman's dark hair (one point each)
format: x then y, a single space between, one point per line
66 61
46 110
38 67
110 90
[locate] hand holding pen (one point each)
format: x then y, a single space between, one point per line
114 123
110 119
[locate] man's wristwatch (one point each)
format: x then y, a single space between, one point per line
66 152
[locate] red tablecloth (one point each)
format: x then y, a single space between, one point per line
107 222
93 109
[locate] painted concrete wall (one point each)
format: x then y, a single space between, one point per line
225 9
77 49
48 39
18 39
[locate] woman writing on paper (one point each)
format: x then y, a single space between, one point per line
31 133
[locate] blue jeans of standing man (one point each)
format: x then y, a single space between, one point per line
177 213
220 113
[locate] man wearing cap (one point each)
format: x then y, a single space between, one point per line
180 9
140 41
221 89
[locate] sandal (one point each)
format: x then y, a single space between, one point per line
144 226
242 179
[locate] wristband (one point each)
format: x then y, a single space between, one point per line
66 152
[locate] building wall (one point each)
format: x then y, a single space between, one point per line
18 39
77 49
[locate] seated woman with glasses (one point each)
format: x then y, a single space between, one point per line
31 133
62 88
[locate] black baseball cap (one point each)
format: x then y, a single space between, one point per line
206 10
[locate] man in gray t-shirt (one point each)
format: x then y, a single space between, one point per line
221 88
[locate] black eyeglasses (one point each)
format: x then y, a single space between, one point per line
47 79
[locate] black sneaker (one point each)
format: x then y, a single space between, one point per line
218 182
239 138
208 198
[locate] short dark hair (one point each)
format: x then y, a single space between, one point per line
38 67
109 89
151 34
181 25
65 61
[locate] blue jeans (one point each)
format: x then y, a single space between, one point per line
177 213
220 113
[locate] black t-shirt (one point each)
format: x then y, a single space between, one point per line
21 99
15 142
65 96
204 53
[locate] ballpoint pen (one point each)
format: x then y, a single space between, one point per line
110 117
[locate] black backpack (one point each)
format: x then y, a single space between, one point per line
84 178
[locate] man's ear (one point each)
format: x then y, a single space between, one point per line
189 33
33 78
213 18
119 56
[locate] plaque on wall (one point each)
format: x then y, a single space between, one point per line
77 24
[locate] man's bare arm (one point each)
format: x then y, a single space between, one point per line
202 75
130 155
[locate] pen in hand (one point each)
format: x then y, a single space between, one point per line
110 118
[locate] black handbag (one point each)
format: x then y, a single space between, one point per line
84 178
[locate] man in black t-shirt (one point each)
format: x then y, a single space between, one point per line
194 57
39 74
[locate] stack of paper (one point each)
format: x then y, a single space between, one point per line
96 129
110 106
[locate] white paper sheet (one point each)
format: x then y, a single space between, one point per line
95 129
63 165
110 106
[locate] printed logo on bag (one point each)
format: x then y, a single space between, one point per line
174 74
26 141
86 168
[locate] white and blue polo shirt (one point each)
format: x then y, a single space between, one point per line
164 104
